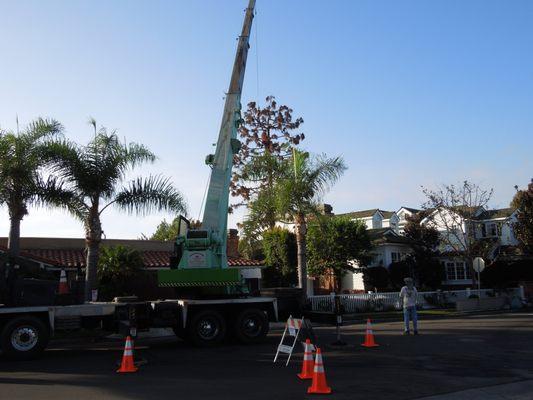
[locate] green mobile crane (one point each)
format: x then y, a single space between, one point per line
217 309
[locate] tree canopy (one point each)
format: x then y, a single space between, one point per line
334 244
422 264
523 227
95 176
23 181
298 194
267 137
453 209
279 249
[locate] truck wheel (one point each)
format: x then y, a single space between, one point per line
250 326
24 338
207 328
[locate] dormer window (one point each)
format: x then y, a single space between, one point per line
490 229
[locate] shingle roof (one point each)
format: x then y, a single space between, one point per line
359 214
367 213
466 210
377 233
497 213
386 214
387 235
413 210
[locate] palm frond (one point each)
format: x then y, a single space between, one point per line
63 158
43 127
325 173
52 192
136 154
153 193
309 179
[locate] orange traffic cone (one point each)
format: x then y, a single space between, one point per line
127 364
319 384
308 364
369 337
63 284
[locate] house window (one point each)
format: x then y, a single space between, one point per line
490 229
460 270
468 273
471 230
450 271
395 256
457 271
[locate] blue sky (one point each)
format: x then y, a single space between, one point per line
410 93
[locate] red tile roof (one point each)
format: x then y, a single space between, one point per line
74 258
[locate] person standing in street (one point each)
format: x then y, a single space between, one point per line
408 296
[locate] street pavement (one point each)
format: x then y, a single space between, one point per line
476 357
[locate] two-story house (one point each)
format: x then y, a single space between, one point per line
389 245
458 232
375 218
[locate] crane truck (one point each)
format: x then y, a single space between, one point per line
213 304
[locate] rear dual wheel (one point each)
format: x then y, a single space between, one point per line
208 328
250 326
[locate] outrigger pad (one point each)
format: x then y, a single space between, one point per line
198 277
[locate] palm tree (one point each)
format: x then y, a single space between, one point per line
298 195
96 174
21 174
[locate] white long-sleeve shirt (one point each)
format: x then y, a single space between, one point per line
408 296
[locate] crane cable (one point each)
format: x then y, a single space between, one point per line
204 196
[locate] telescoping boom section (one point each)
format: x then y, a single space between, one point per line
201 258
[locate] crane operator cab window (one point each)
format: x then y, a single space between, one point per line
183 228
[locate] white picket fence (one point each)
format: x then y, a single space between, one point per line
390 301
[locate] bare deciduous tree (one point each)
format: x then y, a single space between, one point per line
452 210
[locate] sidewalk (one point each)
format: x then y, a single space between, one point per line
522 390
387 316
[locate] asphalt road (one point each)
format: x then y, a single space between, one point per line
450 355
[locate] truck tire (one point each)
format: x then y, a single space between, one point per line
24 338
250 326
206 329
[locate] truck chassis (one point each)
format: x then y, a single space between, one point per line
25 331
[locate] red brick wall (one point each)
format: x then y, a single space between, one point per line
233 243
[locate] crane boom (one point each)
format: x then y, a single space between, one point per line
201 258
216 206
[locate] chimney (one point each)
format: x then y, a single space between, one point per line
326 209
232 248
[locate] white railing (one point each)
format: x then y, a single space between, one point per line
390 301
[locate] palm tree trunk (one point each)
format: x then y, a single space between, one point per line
301 230
13 242
93 237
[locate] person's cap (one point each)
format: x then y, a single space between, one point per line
408 280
